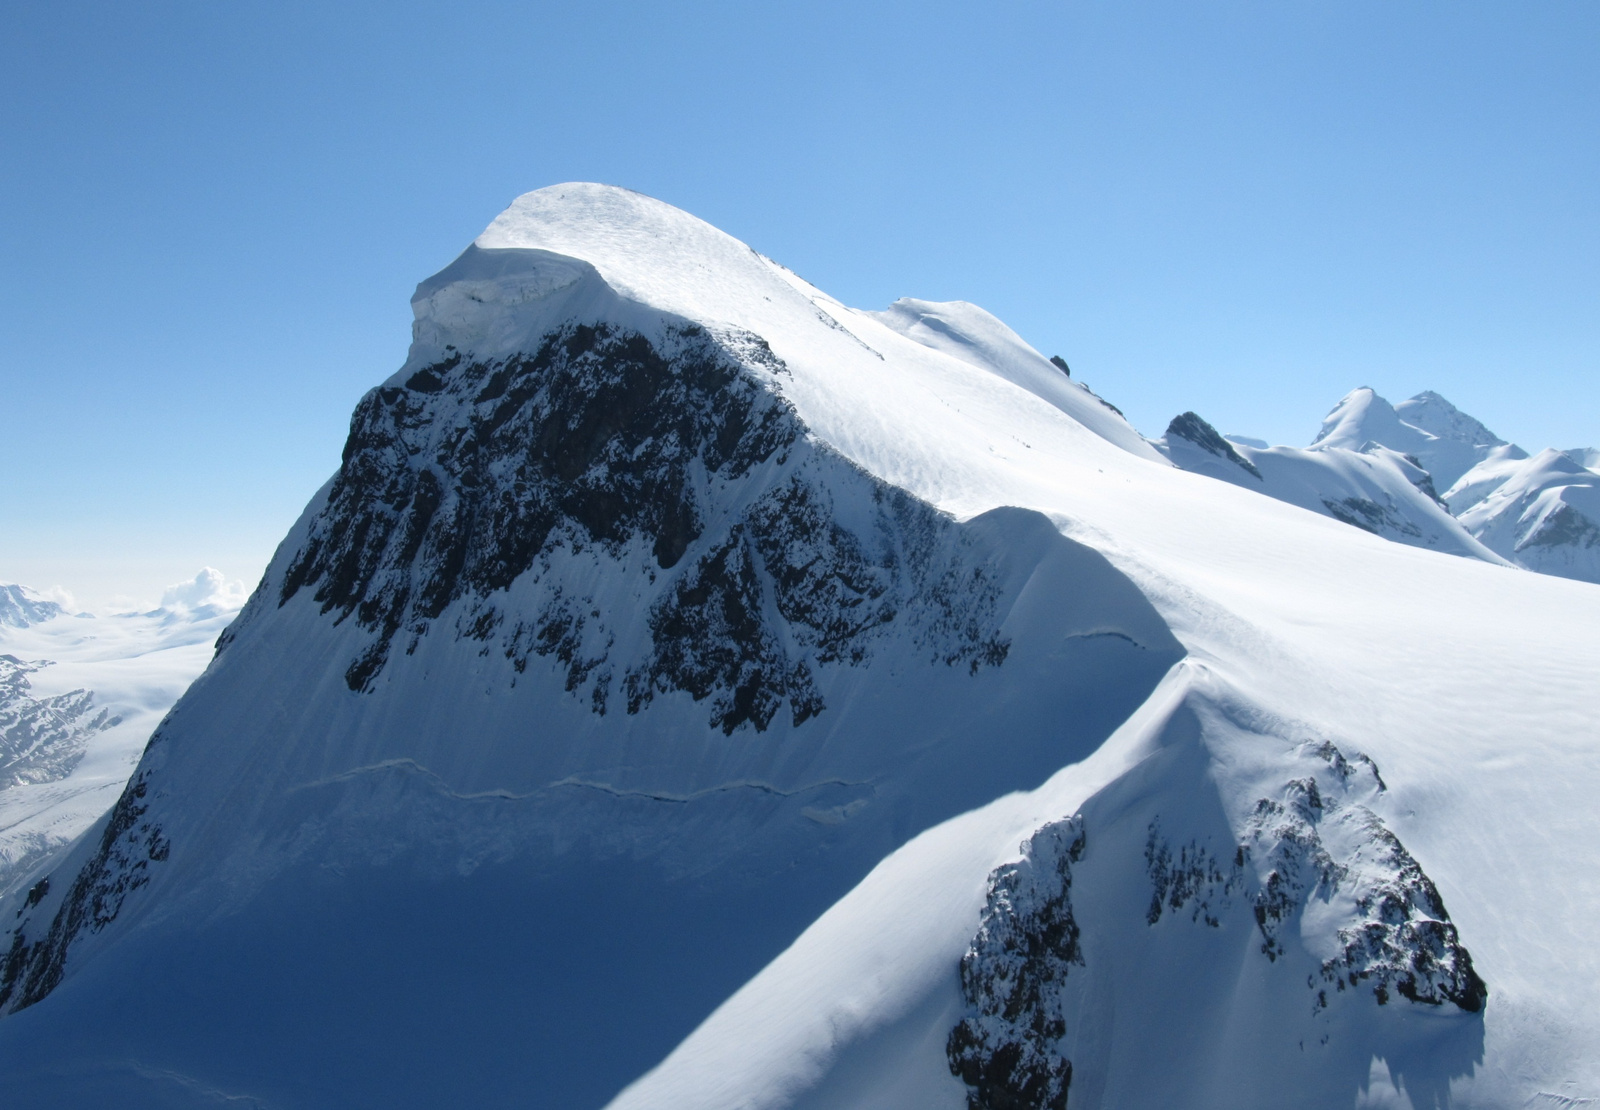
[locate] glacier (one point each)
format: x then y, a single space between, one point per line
691 691
80 694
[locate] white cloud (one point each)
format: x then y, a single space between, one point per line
209 587
58 594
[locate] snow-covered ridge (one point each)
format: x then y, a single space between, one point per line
1536 513
1375 489
611 522
672 672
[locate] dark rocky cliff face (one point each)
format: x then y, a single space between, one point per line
127 846
475 474
1007 1050
643 516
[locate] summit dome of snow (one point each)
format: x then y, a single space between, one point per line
693 692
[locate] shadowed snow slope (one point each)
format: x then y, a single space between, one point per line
693 688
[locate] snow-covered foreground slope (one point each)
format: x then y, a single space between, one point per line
79 696
663 692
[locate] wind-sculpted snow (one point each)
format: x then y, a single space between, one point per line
1313 867
43 739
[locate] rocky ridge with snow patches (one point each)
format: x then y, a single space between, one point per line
1310 846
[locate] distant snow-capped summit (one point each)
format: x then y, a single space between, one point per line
1375 489
1444 441
1538 513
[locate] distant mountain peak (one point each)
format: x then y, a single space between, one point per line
1192 428
1444 440
21 607
1438 417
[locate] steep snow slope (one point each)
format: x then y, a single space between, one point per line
974 336
79 696
674 636
1375 489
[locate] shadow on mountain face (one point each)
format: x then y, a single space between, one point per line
417 931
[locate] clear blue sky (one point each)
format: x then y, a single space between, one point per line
212 214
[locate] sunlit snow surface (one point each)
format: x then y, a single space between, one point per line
468 887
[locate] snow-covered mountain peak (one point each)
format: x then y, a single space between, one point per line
1542 512
612 256
650 252
661 602
1444 440
1374 488
1437 416
1362 417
